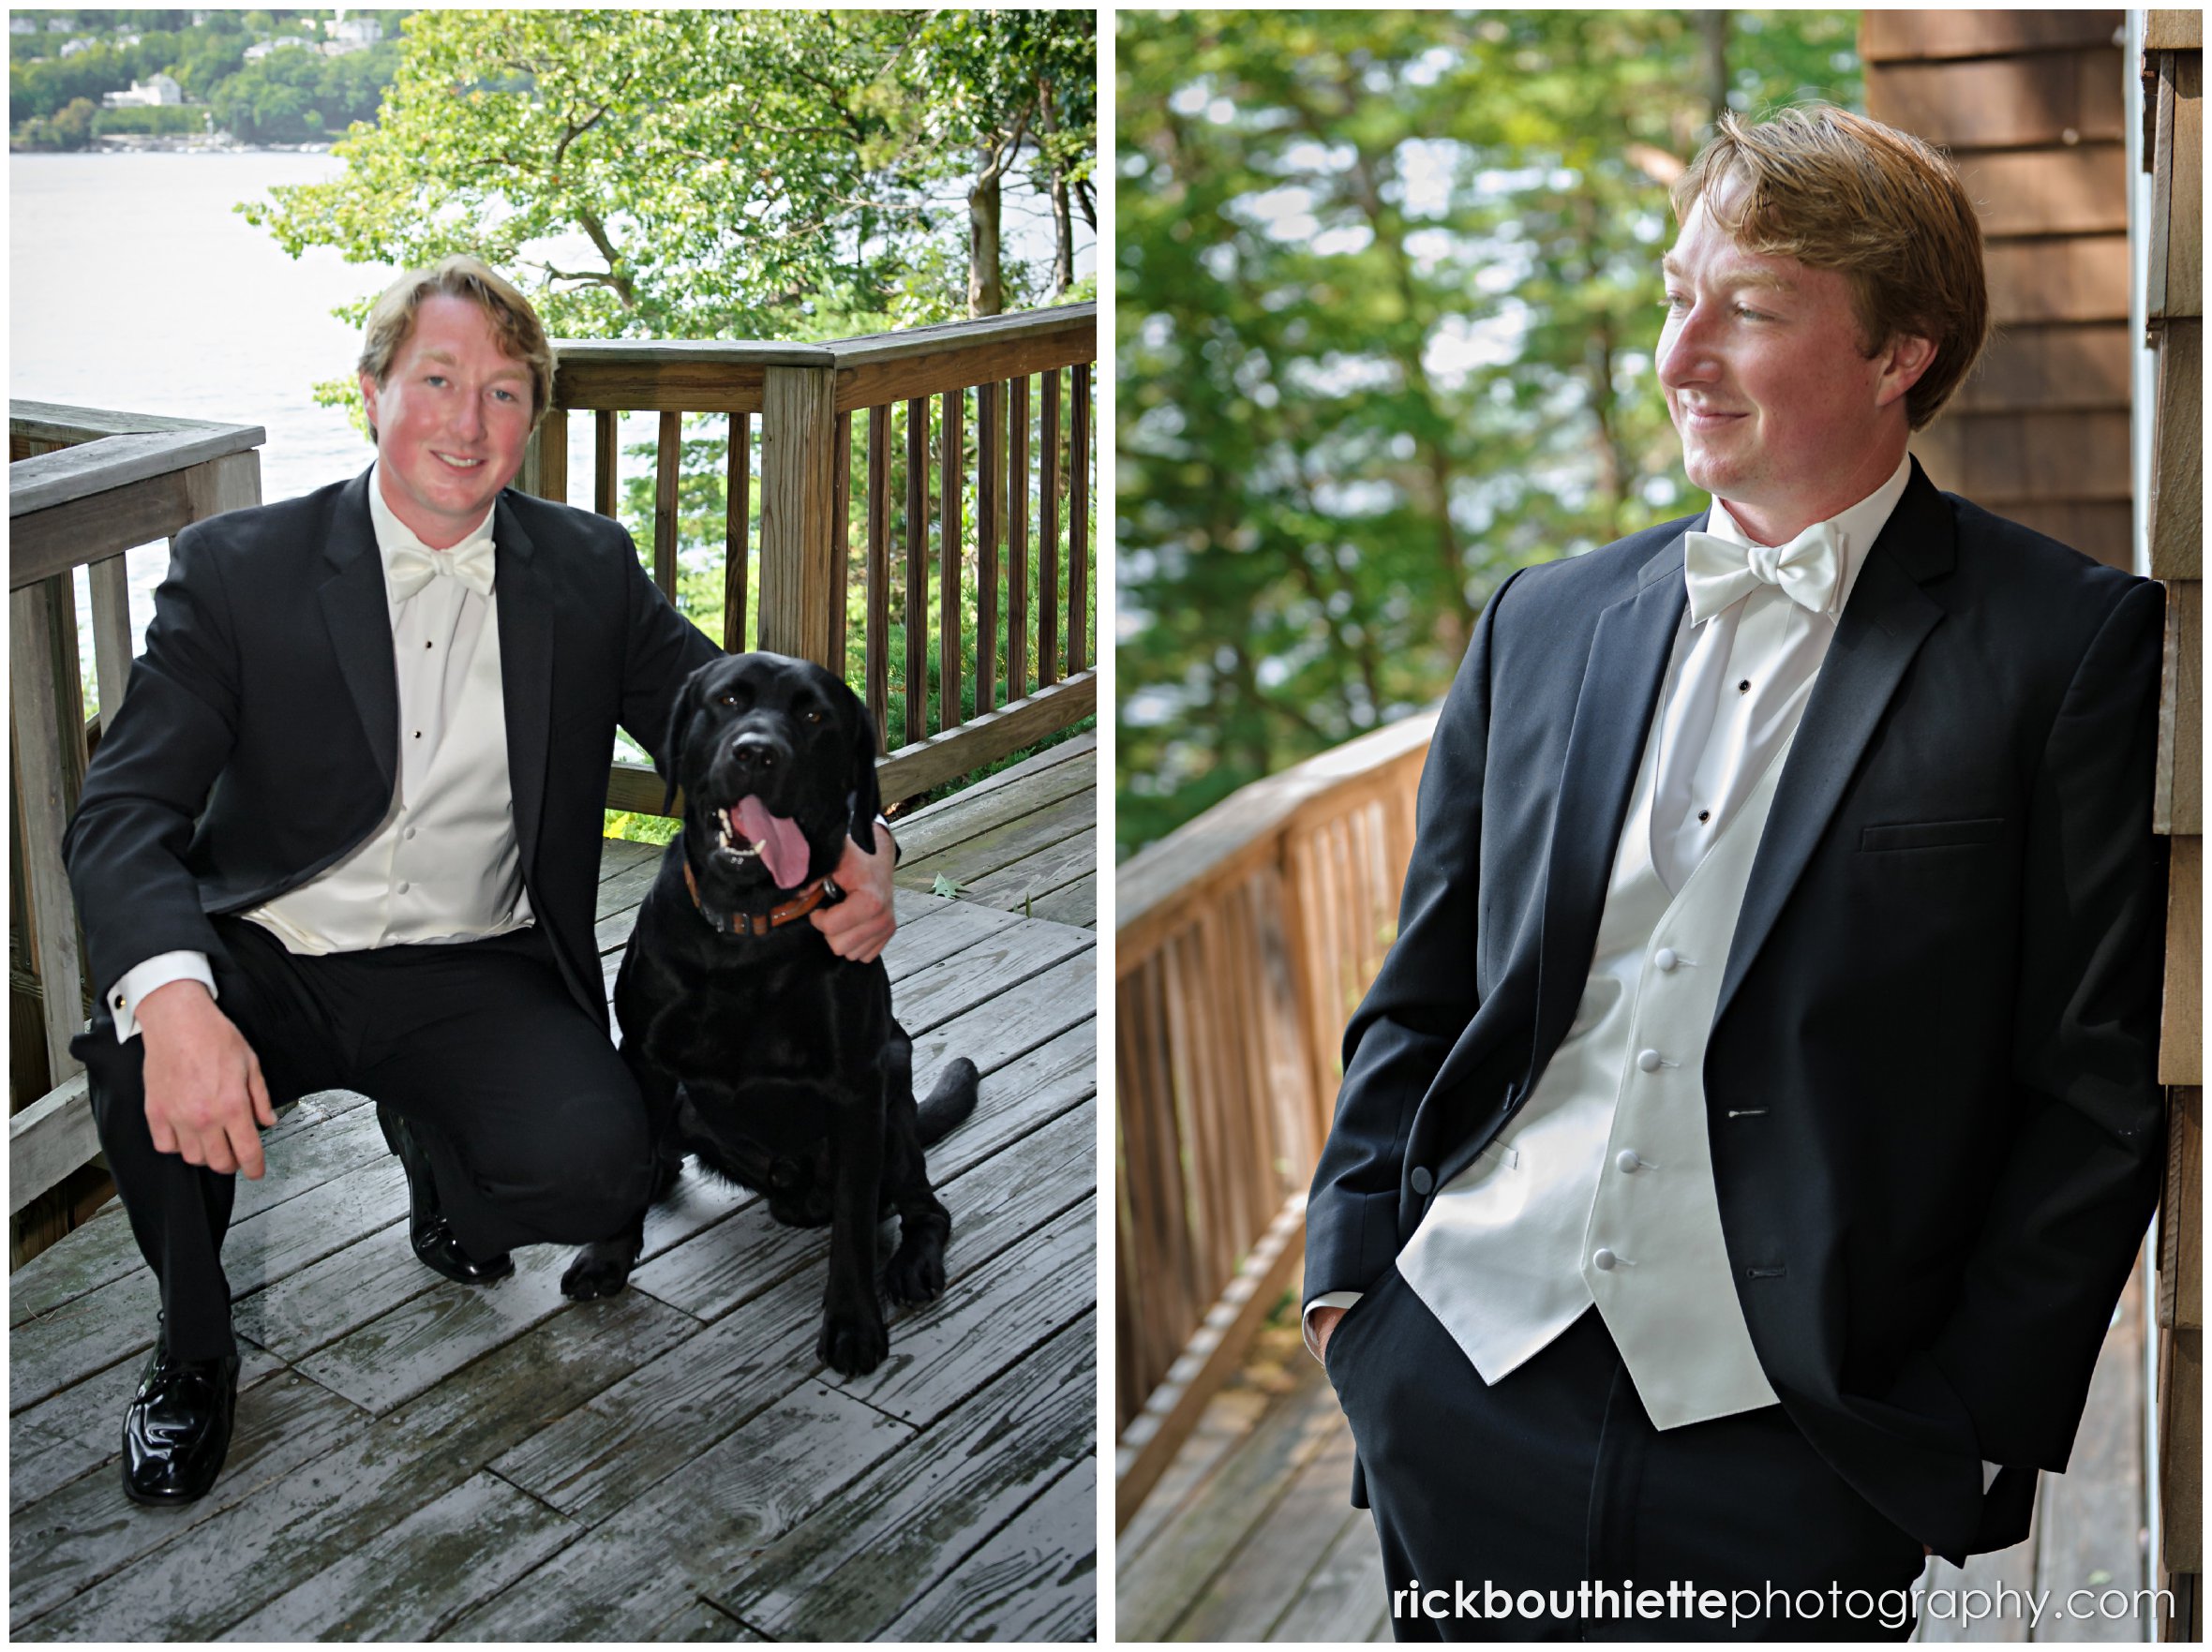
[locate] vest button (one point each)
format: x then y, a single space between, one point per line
1664 959
403 889
1628 1163
1603 1260
1648 1059
1423 1180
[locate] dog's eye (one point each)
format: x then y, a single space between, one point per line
813 717
726 698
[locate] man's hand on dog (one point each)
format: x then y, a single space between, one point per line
204 1082
860 926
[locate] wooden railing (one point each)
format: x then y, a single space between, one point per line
865 446
84 485
1243 943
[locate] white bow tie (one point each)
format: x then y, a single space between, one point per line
411 567
1720 572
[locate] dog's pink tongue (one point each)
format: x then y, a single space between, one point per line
781 844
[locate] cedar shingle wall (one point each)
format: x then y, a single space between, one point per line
2032 106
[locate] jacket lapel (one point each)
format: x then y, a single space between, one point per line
1882 626
1620 680
359 616
525 609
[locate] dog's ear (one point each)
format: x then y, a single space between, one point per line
669 758
867 798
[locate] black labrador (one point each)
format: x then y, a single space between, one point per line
756 1048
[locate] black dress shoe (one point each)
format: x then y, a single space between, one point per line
436 1245
178 1428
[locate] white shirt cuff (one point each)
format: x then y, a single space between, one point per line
125 995
1328 1299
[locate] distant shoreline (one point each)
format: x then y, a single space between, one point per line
179 143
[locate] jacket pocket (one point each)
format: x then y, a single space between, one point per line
1932 834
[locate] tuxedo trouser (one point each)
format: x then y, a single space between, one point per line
1554 1478
531 1122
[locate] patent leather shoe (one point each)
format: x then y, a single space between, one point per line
177 1428
436 1245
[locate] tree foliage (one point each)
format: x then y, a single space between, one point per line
1388 295
294 96
668 175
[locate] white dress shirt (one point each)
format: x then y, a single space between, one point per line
444 864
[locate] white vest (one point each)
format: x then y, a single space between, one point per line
444 865
1600 1188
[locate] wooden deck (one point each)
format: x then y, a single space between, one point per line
1250 1534
419 1460
1023 841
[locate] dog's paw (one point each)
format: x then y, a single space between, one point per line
599 1270
852 1347
915 1275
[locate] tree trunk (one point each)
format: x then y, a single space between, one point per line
986 293
1063 223
1712 27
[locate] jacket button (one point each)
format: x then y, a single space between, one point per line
1666 959
1603 1259
1628 1162
1423 1180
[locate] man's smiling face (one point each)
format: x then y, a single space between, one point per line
1780 412
453 419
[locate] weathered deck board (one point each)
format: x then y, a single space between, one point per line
1248 1534
417 1459
1017 840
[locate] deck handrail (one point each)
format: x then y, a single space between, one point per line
84 485
806 396
1243 940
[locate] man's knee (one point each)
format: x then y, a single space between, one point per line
583 1176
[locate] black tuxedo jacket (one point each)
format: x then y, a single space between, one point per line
259 741
1938 1019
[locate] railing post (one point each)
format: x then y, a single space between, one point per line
801 567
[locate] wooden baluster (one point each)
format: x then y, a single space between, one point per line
880 573
667 471
949 470
842 547
1079 516
47 706
1048 535
989 445
1017 564
551 445
111 633
737 532
605 454
917 568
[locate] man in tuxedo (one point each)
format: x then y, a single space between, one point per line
1745 1140
344 832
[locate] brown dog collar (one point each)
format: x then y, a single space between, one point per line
746 923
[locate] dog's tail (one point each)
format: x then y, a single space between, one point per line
949 1103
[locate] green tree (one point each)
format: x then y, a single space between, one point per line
1388 297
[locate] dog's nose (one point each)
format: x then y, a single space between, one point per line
753 752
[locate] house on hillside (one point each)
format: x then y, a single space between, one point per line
161 92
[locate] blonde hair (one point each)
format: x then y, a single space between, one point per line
514 323
1837 191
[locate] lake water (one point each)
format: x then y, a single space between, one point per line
133 285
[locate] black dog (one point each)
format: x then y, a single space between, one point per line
755 1047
